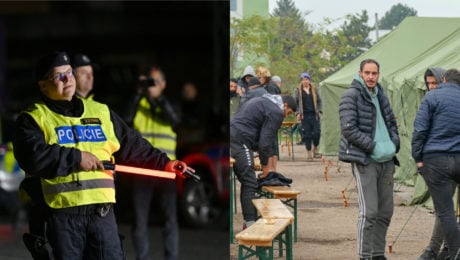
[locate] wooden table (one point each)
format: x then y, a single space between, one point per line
289 140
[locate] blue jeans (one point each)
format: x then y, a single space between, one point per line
438 173
143 191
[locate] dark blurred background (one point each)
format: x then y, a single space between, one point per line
189 40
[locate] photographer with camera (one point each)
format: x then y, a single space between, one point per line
154 117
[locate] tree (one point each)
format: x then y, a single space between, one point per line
356 31
286 8
287 45
250 38
291 25
395 16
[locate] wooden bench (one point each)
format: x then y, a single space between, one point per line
275 209
286 194
272 209
262 235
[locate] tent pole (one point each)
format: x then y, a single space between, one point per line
390 246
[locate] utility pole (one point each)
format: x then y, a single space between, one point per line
376 27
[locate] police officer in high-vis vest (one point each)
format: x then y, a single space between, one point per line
154 117
63 140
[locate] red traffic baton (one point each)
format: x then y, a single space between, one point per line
138 170
148 172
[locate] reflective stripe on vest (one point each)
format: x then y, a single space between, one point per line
82 185
92 132
157 131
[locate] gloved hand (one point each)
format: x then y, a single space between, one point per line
178 167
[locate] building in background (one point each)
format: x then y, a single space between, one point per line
246 8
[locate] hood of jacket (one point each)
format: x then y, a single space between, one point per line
248 71
276 99
437 73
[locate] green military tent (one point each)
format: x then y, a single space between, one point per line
404 54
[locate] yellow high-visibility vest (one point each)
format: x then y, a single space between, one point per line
92 132
157 131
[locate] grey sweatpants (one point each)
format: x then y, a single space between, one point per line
375 200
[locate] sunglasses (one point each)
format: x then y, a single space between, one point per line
62 75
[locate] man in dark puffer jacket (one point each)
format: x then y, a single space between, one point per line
370 141
436 150
433 77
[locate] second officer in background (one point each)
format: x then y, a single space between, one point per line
153 116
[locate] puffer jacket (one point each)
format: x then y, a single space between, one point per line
437 123
358 121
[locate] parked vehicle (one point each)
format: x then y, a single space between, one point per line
200 204
206 203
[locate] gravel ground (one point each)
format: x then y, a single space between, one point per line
327 229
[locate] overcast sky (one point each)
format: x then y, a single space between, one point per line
338 9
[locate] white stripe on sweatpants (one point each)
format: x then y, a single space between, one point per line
361 202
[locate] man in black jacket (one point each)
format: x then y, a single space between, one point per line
254 128
370 141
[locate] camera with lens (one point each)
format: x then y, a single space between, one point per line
147 82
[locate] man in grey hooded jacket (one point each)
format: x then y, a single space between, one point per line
370 141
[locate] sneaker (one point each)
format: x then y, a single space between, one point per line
428 254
